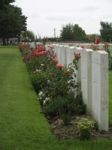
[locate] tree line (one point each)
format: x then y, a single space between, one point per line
13 25
12 21
73 32
76 33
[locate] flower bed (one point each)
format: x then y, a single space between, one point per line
56 85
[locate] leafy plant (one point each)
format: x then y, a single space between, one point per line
57 86
39 80
65 107
109 51
85 127
40 63
110 60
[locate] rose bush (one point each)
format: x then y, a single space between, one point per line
56 85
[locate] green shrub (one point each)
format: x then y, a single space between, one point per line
110 61
51 109
38 63
80 106
85 127
39 80
57 88
66 105
109 51
60 84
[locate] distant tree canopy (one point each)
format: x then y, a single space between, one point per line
92 37
3 3
12 21
106 31
73 32
27 36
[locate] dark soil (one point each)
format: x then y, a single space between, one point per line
70 131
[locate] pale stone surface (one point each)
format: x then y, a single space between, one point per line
93 74
86 77
57 50
69 55
60 53
32 45
63 55
100 88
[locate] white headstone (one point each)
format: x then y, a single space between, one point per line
86 77
69 55
63 55
100 88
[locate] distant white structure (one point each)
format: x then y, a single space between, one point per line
10 41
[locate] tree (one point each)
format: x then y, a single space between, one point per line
73 32
67 32
91 37
27 36
12 22
78 33
3 3
106 31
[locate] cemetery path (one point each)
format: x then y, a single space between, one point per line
22 125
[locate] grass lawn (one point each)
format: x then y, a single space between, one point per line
22 125
110 97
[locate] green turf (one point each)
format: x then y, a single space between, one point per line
22 125
110 97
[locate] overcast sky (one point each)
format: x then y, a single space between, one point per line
45 15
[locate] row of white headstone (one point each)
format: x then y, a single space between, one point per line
93 74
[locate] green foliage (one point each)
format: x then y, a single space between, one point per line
67 105
32 64
37 63
78 33
85 127
73 32
110 61
91 37
108 49
58 84
110 97
4 3
12 22
27 36
110 58
67 33
106 31
58 90
39 80
21 123
55 77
